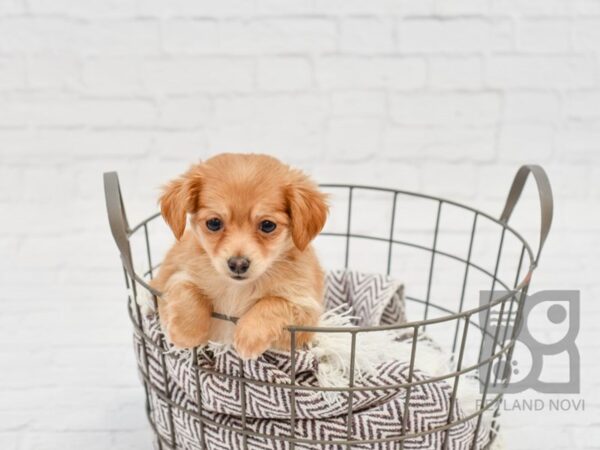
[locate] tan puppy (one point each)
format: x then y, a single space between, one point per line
246 253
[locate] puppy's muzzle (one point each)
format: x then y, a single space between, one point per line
238 265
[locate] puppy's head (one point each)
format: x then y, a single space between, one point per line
247 212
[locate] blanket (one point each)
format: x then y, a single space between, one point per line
380 414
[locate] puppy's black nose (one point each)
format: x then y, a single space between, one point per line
238 264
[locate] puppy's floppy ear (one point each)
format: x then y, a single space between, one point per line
307 208
179 198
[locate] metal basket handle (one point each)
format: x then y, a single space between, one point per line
546 199
117 219
119 226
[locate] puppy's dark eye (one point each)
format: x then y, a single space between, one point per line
266 226
214 224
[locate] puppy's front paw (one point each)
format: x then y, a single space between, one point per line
182 337
187 327
251 341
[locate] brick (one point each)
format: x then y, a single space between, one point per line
343 72
269 107
451 108
587 7
274 35
570 180
446 72
526 143
456 35
462 7
296 143
450 180
67 36
190 36
586 34
41 253
9 440
112 75
248 123
531 106
401 73
519 71
533 7
334 72
15 420
24 222
502 35
407 7
113 144
11 7
352 139
9 178
115 38
544 35
358 103
90 9
12 73
196 8
583 105
439 143
579 143
595 182
63 145
370 35
185 112
392 174
580 208
284 74
184 76
13 114
41 36
58 183
290 7
181 146
54 72
65 111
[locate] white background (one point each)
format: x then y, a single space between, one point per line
442 97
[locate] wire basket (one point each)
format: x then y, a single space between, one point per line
467 275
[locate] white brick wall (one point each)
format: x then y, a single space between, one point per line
444 97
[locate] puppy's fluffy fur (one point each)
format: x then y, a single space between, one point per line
283 284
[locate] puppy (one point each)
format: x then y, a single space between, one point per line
245 253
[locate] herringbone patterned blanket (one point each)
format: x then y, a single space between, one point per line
378 414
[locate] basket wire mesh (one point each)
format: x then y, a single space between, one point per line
455 327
